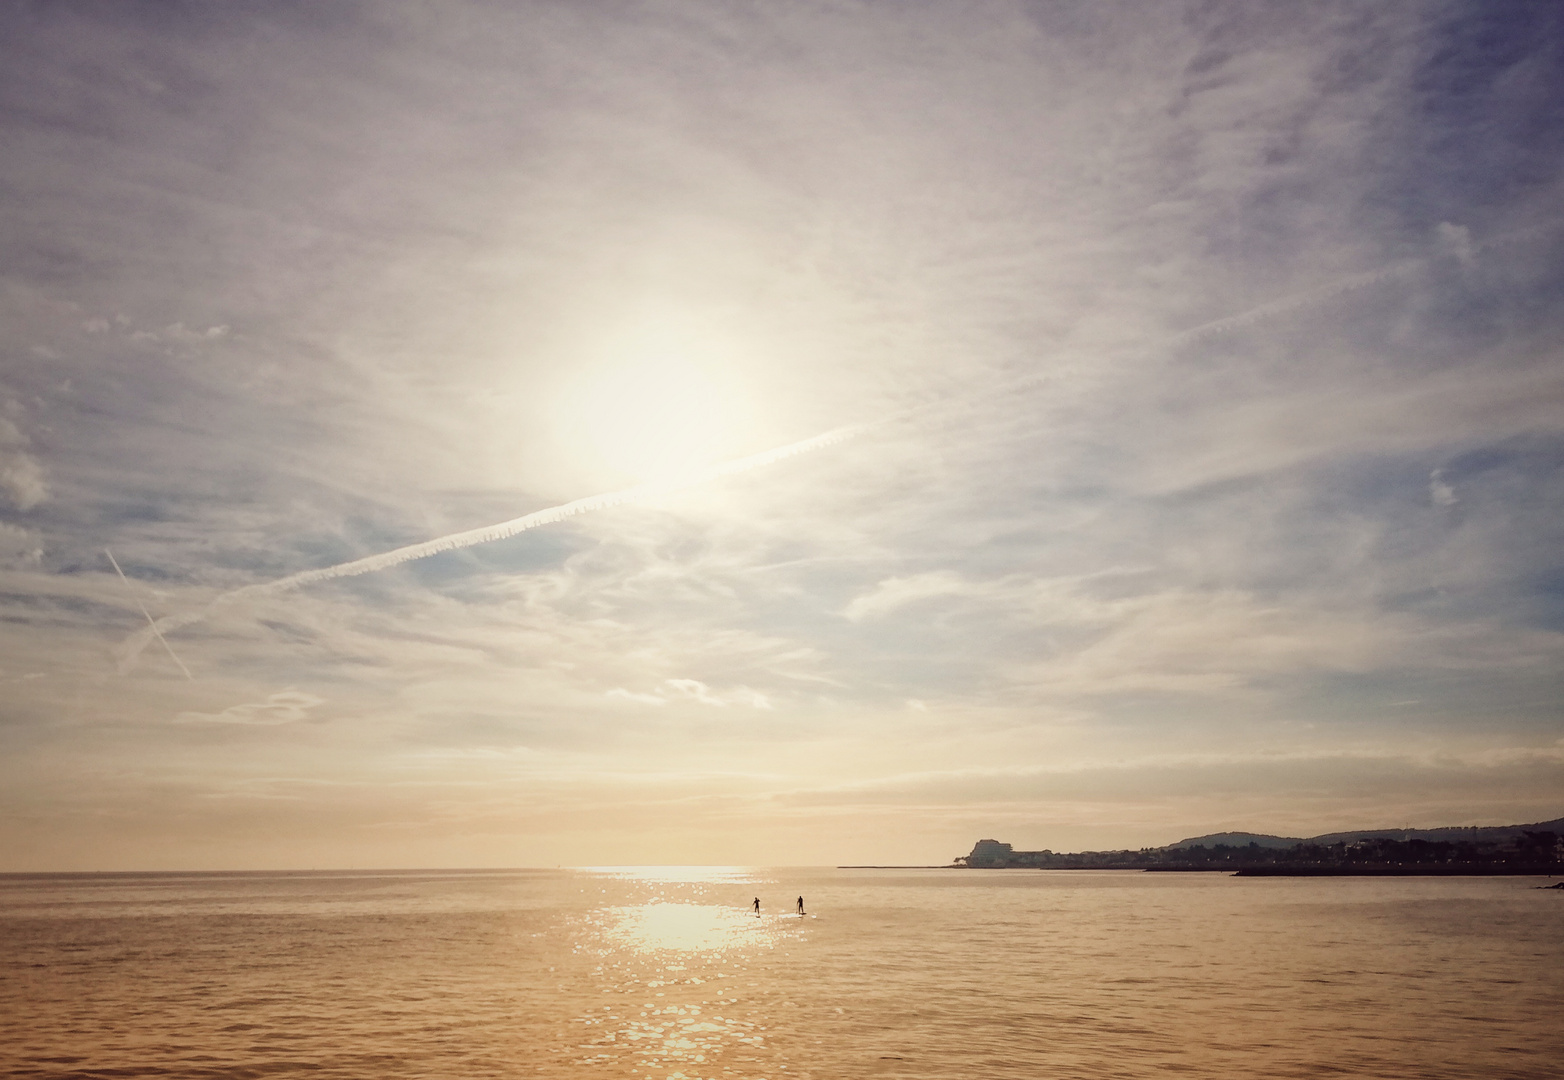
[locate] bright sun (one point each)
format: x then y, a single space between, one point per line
656 405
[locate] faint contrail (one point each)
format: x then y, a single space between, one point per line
1302 300
132 647
151 624
1340 286
1285 305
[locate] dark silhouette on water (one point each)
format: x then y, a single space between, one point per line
757 907
800 905
1516 849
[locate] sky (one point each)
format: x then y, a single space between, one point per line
1189 374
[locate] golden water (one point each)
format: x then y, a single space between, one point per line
655 973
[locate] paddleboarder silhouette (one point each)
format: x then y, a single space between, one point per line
800 905
757 907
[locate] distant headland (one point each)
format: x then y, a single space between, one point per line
1500 849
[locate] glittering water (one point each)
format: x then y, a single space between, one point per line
668 972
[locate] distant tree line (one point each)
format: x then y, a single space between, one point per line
1526 853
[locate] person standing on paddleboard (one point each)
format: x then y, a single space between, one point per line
800 905
757 907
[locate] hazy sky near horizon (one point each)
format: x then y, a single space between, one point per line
1209 354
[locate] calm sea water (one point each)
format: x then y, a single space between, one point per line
655 973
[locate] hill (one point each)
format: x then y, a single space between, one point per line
1236 839
1495 849
1455 834
1480 834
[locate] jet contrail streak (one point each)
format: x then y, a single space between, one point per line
152 625
1340 286
1300 301
133 645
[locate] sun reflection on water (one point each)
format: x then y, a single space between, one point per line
676 950
704 928
678 875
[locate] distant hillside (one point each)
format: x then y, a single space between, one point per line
1495 849
1493 834
1236 839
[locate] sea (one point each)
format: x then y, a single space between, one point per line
669 972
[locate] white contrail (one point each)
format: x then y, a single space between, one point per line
1340 286
1285 305
151 624
1301 300
132 647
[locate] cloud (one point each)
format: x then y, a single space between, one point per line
131 648
1241 778
1207 352
630 695
892 594
1290 428
285 707
694 690
21 476
22 479
174 333
1458 238
19 548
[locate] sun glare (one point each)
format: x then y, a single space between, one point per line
658 403
667 927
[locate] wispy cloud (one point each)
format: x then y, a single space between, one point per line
21 475
1200 363
485 535
285 707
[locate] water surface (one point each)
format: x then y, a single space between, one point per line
667 972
